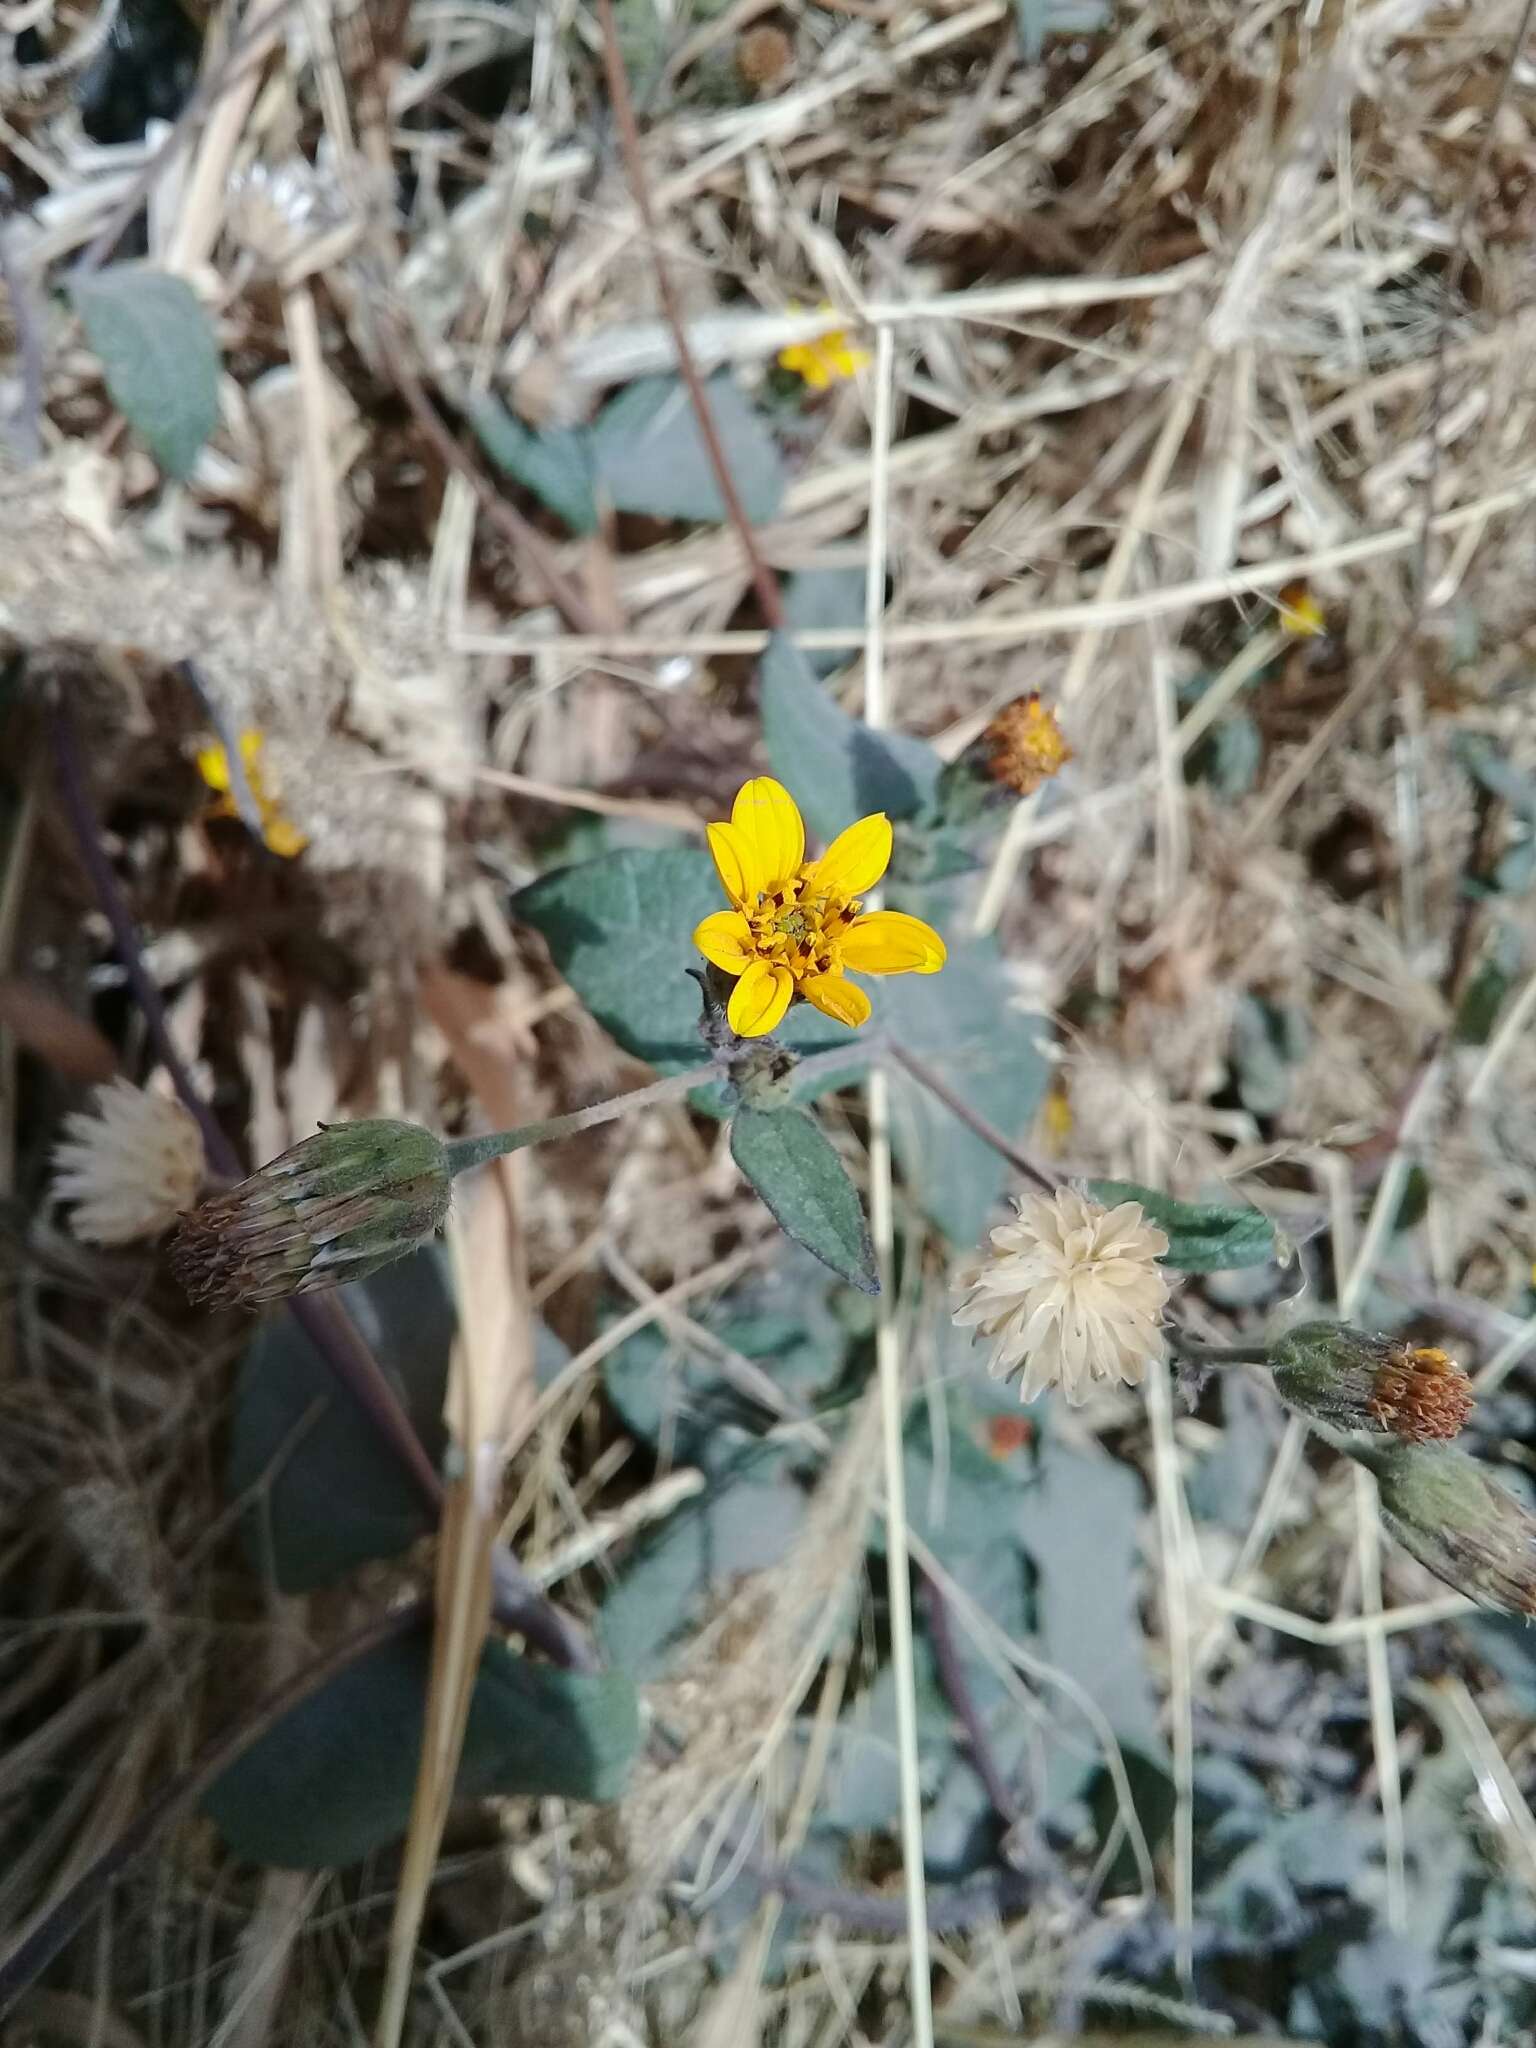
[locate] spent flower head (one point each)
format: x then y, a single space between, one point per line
1070 1293
130 1164
1023 746
279 833
1460 1524
332 1209
796 927
1348 1380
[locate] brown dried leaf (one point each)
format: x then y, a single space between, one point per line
68 1043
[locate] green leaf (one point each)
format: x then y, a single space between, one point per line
1268 1039
1230 756
555 463
678 1397
651 457
620 929
333 1779
1487 761
746 1521
1203 1237
1484 994
962 1023
825 600
790 1161
1038 19
835 767
328 1494
1080 1521
158 354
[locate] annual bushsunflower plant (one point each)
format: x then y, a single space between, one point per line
796 928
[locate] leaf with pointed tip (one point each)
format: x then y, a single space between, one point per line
333 1779
791 1162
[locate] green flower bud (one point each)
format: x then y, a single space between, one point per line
335 1208
1442 1506
1347 1380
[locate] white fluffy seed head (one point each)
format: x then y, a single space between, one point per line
130 1164
1070 1293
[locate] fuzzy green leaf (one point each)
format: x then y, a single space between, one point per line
835 767
789 1160
962 1022
823 600
159 356
1203 1237
555 463
651 457
333 1779
620 929
327 1494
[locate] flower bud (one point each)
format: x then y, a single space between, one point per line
1442 1506
332 1209
1347 1380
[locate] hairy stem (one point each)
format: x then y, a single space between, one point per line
465 1153
1218 1354
957 1105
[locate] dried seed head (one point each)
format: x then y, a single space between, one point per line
335 1208
1442 1506
1070 1293
130 1164
1349 1381
763 55
1024 745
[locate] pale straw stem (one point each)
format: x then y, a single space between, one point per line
882 1229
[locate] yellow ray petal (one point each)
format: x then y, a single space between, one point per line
857 858
213 766
843 1000
890 942
759 999
282 836
726 939
765 819
733 862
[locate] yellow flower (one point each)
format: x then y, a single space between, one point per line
279 833
796 926
1300 613
824 358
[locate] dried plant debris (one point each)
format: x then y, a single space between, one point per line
1127 408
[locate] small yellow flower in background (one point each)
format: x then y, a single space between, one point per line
825 358
796 926
1024 745
1300 613
130 1164
1056 1117
279 833
1071 1292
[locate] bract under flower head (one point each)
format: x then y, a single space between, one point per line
332 1209
797 926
